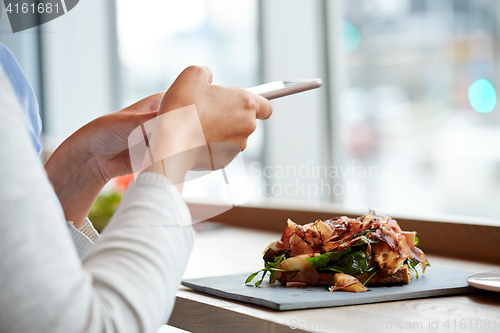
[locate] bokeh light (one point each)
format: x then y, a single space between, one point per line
482 96
350 37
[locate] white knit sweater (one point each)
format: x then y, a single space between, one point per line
125 282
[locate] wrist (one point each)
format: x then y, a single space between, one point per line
173 167
176 145
72 173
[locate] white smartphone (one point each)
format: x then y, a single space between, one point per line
279 89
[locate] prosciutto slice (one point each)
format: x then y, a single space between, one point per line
298 246
418 254
284 242
308 275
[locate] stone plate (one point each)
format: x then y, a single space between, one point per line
437 281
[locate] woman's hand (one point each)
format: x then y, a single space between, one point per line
106 138
227 116
97 152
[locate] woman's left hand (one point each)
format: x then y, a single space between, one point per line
107 137
93 155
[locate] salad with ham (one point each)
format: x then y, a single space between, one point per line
346 254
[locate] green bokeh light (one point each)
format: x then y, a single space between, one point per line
482 96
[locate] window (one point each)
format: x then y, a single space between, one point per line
411 85
407 121
158 39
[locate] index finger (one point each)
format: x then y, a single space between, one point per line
264 108
202 72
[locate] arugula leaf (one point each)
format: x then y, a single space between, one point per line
258 283
251 277
375 272
269 267
271 276
351 261
334 269
330 258
355 263
365 232
412 263
417 241
273 266
277 260
327 259
320 261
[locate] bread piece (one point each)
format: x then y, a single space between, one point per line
402 276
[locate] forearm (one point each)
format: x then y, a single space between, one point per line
72 173
141 255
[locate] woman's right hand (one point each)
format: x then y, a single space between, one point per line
227 116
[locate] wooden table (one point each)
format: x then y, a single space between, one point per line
230 250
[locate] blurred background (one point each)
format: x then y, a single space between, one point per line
407 119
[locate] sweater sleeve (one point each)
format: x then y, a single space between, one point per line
84 237
89 231
126 282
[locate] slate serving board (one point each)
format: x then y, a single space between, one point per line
437 281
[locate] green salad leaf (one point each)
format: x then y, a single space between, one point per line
330 260
327 259
269 266
251 277
365 232
354 264
375 271
412 263
353 261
